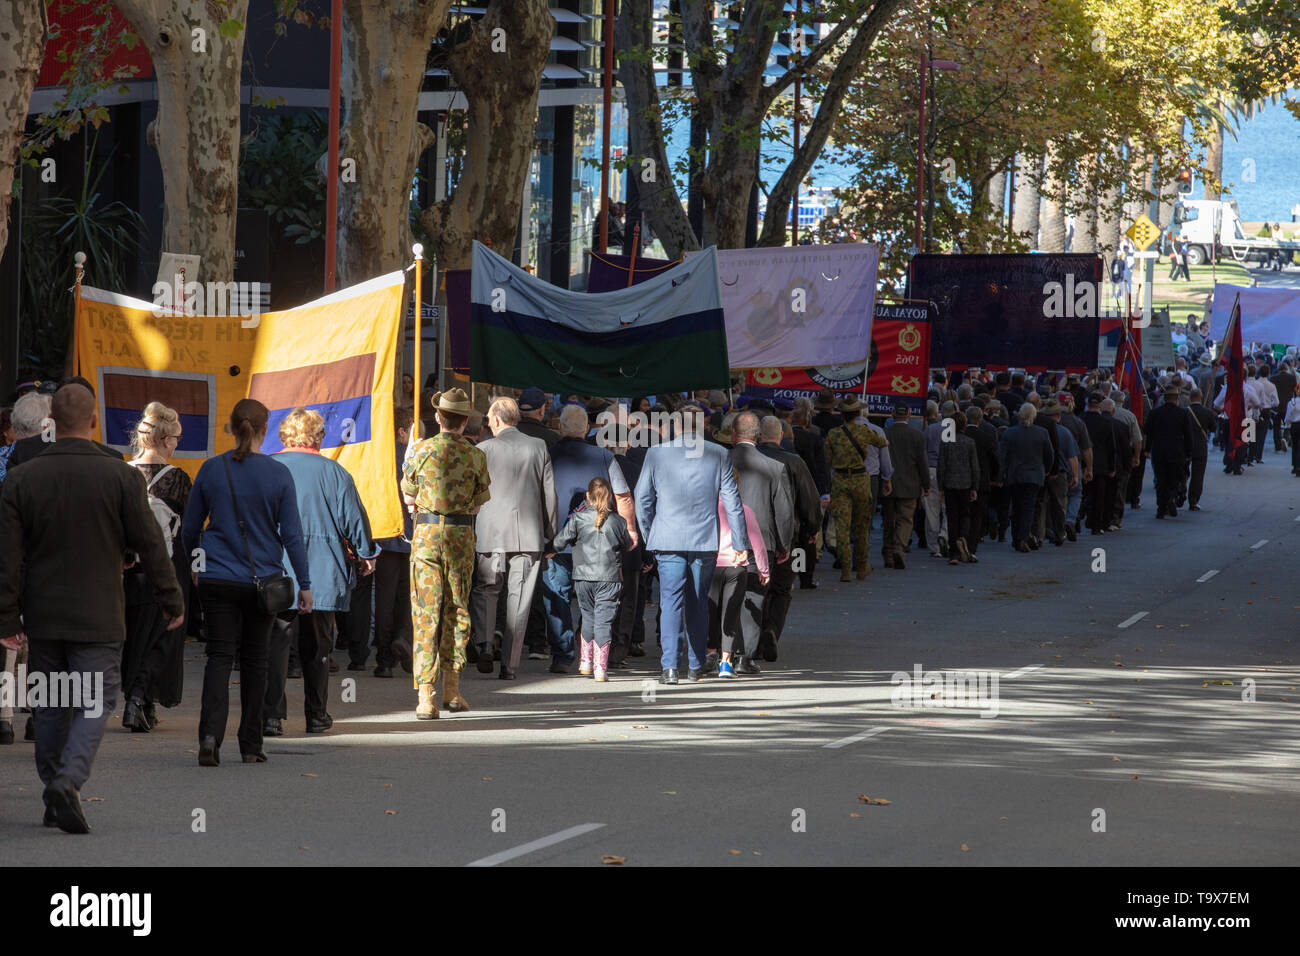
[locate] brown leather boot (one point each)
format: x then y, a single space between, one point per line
863 569
846 573
451 698
426 709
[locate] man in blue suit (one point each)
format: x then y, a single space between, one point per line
677 508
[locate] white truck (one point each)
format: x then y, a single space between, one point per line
1213 227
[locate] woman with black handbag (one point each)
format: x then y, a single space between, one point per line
242 516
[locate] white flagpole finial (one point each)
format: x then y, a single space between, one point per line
80 259
418 249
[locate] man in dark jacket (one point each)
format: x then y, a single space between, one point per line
532 407
1284 381
1206 422
67 520
766 490
808 519
1124 455
1169 432
986 447
911 480
1049 509
1100 491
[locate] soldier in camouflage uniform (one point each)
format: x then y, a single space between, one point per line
446 479
851 502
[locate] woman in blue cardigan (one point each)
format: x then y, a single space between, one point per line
228 559
334 523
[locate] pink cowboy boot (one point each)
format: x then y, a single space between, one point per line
584 661
601 662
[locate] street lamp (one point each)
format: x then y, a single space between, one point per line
926 66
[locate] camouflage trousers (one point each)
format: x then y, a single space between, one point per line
851 510
442 572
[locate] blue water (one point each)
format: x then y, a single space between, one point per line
1267 145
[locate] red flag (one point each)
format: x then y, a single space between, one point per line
1128 368
1230 357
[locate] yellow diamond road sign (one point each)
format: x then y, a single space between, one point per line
1143 232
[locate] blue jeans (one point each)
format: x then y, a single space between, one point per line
684 580
1073 499
557 597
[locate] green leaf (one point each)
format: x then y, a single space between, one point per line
231 28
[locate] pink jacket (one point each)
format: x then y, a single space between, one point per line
725 552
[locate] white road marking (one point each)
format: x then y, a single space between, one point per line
1206 576
1259 544
845 741
1133 620
1022 672
541 844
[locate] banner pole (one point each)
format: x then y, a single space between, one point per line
79 259
636 244
418 390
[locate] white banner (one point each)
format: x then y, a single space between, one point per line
801 306
1271 316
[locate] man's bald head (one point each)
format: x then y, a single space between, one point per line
771 429
745 427
73 411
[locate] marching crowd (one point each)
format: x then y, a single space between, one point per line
724 503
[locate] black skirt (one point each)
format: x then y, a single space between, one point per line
152 655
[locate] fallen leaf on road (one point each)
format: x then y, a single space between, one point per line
671 793
94 799
391 813
388 785
612 859
485 778
304 848
1221 683
1115 759
965 848
856 816
311 775
756 853
590 740
732 852
634 726
761 713
1135 776
1086 701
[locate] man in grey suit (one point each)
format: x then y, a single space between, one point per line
911 480
510 534
677 507
766 489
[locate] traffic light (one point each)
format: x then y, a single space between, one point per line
1185 182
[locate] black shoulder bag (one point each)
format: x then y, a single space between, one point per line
275 593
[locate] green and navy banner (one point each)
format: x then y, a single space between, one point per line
665 334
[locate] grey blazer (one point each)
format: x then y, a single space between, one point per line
521 514
959 467
907 451
765 488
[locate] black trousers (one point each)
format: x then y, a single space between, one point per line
751 613
956 501
726 604
631 607
1135 479
1024 497
1171 485
1261 429
314 638
1197 482
1295 446
1119 494
234 623
777 605
1002 505
979 521
354 623
392 604
1098 496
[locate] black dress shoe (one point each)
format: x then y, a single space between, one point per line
273 727
51 818
636 650
63 797
334 667
132 718
558 667
693 674
669 676
404 654
258 757
746 665
209 755
1070 533
507 672
318 725
383 671
809 586
484 663
355 666
150 714
6 732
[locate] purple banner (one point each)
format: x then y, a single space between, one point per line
609 272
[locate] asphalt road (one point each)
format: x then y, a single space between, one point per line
1103 716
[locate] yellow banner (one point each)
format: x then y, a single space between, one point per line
335 355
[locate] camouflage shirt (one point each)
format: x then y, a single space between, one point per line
840 451
446 474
